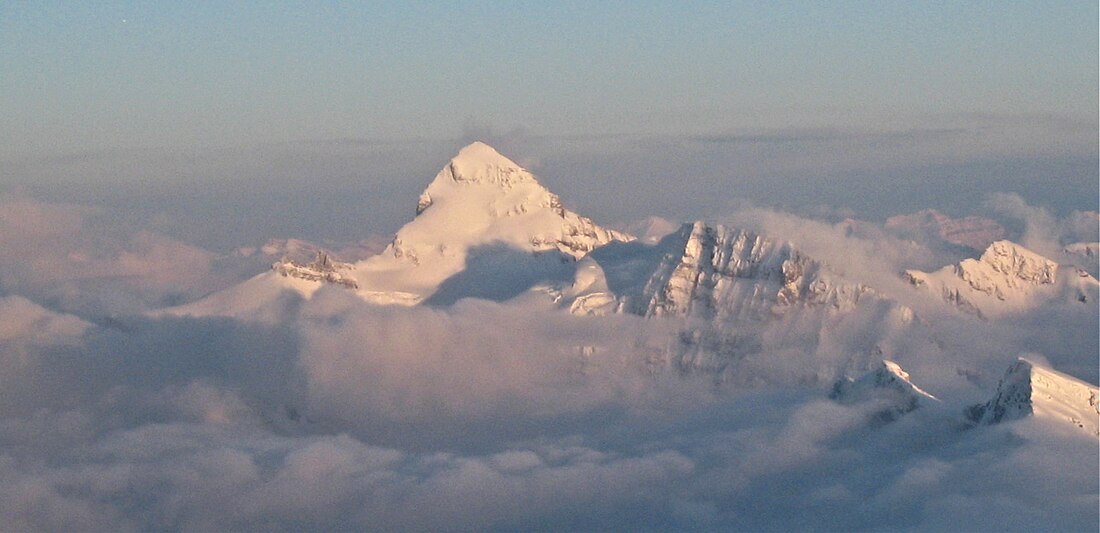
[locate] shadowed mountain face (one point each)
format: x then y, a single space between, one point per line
499 272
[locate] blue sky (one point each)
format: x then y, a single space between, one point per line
91 76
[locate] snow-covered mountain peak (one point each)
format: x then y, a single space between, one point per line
1018 263
480 163
484 227
1006 278
483 198
1030 389
887 384
480 206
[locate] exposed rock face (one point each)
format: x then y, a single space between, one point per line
972 231
726 289
724 272
887 384
1012 267
1028 389
323 269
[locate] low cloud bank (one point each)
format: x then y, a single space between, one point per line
491 416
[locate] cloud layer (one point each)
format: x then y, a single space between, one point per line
496 416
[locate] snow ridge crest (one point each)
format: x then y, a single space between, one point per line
1028 389
481 163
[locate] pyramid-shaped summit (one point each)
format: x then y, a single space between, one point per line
480 163
479 202
482 197
484 227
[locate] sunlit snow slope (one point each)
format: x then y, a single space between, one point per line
484 227
1028 389
1007 278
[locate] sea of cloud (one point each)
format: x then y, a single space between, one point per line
341 415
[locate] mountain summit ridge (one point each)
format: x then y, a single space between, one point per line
482 221
478 162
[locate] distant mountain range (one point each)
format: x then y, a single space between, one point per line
486 228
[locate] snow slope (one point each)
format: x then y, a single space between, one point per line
1006 278
484 227
261 298
480 205
1029 389
887 385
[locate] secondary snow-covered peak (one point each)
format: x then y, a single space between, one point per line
887 384
1006 278
1018 263
1029 389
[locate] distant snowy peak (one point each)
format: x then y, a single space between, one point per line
1007 269
886 384
723 272
1028 389
971 231
1007 277
322 269
1018 263
305 251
